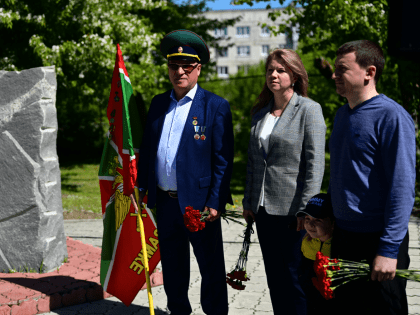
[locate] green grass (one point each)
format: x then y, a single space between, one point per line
26 269
81 193
80 188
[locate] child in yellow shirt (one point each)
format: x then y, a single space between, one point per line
319 225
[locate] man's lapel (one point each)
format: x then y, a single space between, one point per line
196 110
284 119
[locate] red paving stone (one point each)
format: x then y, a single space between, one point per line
5 301
21 294
89 265
6 286
4 310
25 308
76 282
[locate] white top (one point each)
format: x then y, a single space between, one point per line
174 124
269 124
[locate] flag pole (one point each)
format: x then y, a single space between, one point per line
143 247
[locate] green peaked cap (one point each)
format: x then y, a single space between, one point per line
181 38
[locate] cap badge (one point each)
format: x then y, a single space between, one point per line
180 49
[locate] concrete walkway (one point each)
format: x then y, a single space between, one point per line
255 299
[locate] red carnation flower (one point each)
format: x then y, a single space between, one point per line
192 219
237 275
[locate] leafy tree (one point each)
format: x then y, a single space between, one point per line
79 38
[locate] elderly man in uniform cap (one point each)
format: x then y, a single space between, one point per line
186 159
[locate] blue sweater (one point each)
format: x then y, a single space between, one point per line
373 159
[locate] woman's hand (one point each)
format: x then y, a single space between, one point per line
300 223
249 216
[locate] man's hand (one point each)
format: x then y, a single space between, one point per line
383 268
249 216
213 214
300 223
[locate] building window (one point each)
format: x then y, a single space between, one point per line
222 52
242 31
265 50
220 32
222 71
282 46
243 68
244 51
265 31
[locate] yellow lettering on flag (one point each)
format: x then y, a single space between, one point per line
137 263
150 251
154 242
136 266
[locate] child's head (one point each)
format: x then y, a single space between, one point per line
319 218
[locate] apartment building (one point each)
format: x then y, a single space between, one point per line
251 42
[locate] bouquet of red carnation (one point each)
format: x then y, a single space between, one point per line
193 219
238 274
328 270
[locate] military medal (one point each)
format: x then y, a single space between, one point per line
196 136
203 130
195 121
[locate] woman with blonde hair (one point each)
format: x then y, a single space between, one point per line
285 169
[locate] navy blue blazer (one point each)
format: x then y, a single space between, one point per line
203 167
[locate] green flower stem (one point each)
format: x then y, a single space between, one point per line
408 274
333 288
331 273
354 266
351 277
350 270
350 262
231 219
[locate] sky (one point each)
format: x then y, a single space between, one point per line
225 5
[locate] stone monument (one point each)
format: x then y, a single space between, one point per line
31 211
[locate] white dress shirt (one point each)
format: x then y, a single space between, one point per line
173 127
266 131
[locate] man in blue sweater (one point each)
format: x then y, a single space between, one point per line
373 152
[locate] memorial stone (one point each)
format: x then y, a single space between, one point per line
31 211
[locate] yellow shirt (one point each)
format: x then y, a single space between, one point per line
310 248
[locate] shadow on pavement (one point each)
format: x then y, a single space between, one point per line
108 307
52 292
